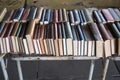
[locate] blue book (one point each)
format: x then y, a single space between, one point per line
47 16
80 32
76 16
83 17
32 13
80 16
2 24
18 14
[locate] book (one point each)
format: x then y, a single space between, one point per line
106 37
18 14
75 41
21 37
114 15
81 40
60 39
69 38
55 16
60 15
107 15
8 16
64 39
42 31
71 18
13 35
7 38
29 34
76 16
118 25
117 12
83 17
34 39
87 15
65 16
38 38
116 33
56 43
32 13
43 16
97 17
101 16
98 40
2 13
38 14
47 16
25 15
89 41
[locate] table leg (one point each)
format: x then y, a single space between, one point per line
4 69
91 69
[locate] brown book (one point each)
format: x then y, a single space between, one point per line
55 16
34 39
60 15
89 40
25 15
107 15
29 35
107 39
118 46
60 42
3 43
56 40
42 31
13 36
45 41
8 16
98 39
8 39
38 14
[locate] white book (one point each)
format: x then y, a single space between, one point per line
7 45
35 46
25 46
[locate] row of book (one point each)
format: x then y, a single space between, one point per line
60 39
46 16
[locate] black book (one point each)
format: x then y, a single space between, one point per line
101 16
113 28
118 25
96 16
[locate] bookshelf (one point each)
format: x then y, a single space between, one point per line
79 4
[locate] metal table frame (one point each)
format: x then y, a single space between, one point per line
5 74
18 59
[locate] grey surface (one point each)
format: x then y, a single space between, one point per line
60 70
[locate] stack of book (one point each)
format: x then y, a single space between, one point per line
60 32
